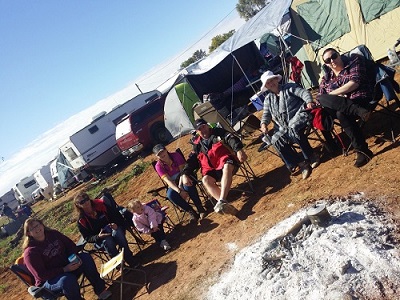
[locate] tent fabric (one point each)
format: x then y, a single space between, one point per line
178 109
227 72
372 9
326 20
64 170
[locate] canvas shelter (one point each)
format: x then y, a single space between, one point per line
178 109
314 26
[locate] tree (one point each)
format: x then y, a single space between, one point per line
248 8
217 40
197 55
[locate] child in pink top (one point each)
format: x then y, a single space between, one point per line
148 221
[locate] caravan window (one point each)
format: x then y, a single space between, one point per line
29 183
71 153
93 129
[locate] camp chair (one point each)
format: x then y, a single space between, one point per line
156 205
244 169
126 215
38 292
117 264
200 187
179 212
381 77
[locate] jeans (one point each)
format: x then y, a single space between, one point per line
110 244
347 111
290 156
179 201
67 283
160 234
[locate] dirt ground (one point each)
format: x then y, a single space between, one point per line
200 251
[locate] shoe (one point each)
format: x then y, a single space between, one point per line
194 217
104 295
363 157
223 207
315 162
305 171
164 244
218 208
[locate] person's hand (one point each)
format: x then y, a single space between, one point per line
186 180
73 265
264 128
241 155
155 229
310 105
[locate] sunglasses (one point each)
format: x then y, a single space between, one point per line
84 200
333 57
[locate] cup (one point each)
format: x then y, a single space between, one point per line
73 258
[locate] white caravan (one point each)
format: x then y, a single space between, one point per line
44 180
95 146
23 189
10 199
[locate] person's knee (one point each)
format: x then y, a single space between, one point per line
228 169
208 180
69 283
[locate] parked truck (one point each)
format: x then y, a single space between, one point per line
142 128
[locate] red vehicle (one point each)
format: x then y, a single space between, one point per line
142 128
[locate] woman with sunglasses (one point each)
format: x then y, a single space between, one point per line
55 263
104 226
345 93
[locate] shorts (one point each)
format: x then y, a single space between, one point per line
217 174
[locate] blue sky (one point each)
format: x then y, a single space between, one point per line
59 59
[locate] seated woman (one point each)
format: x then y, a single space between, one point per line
148 221
46 255
180 188
285 104
104 226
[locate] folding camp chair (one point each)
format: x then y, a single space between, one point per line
117 263
156 205
381 78
179 212
22 272
126 215
200 187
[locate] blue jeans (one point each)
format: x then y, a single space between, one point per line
179 201
67 283
110 244
290 156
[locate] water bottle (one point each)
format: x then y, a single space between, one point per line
393 58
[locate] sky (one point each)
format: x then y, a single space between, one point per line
353 256
62 62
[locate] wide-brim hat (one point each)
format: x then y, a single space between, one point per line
267 76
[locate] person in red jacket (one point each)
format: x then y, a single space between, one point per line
104 226
46 255
217 152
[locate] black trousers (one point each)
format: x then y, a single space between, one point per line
347 111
